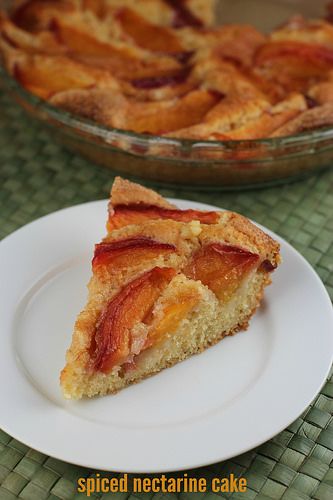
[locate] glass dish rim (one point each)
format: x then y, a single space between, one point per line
97 130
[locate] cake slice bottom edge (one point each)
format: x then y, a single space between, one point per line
207 324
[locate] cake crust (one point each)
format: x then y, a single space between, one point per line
125 192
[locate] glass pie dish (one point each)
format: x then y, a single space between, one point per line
204 164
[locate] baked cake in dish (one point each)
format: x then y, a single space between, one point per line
166 284
161 67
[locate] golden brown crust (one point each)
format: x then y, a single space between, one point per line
313 31
271 119
320 116
125 192
238 230
99 104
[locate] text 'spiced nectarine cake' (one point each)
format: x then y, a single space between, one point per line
163 67
166 284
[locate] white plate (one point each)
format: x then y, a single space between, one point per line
211 407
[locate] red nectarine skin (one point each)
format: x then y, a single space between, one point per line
111 344
182 57
175 78
221 267
29 15
183 16
122 215
123 252
267 266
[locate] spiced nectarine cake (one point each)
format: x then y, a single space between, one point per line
164 67
166 284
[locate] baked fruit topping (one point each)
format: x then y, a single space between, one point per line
221 267
183 16
44 77
113 256
163 67
173 314
166 284
120 254
122 215
148 35
112 342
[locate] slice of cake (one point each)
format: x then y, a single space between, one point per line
166 284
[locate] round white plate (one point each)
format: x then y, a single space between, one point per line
221 403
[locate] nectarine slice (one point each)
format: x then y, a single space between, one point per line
124 61
147 35
221 267
182 15
123 215
43 42
36 15
126 253
51 74
166 116
111 345
173 314
293 65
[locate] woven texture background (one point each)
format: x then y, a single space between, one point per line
38 177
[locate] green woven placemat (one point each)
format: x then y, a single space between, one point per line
38 177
